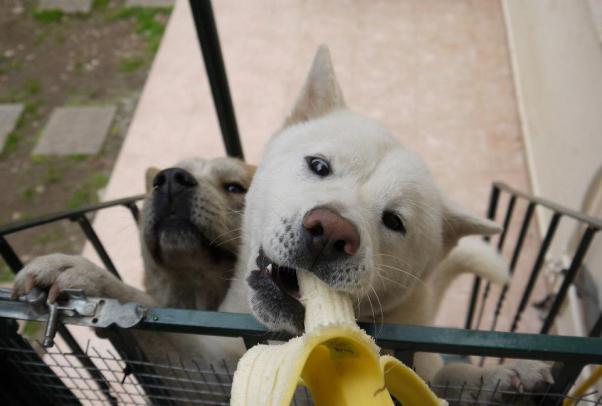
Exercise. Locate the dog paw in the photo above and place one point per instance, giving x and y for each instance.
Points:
(521, 376)
(57, 272)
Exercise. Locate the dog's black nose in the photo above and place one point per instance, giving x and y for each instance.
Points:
(174, 180)
(330, 235)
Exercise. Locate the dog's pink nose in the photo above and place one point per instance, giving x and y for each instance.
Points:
(328, 228)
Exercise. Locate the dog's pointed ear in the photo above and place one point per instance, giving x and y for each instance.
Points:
(320, 94)
(458, 223)
(250, 170)
(149, 177)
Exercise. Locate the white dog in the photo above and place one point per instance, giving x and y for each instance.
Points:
(337, 195)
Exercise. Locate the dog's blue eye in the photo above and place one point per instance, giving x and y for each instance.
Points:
(234, 188)
(393, 222)
(319, 166)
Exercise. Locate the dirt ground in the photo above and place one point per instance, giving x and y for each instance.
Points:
(47, 60)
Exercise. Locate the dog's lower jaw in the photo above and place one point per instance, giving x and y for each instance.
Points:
(273, 307)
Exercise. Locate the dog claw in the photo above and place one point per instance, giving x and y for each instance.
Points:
(54, 292)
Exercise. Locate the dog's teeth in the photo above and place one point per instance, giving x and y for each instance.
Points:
(269, 268)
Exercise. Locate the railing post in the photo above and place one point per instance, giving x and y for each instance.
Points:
(536, 268)
(569, 278)
(494, 197)
(206, 30)
(11, 259)
(88, 230)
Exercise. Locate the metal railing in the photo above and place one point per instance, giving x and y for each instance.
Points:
(586, 229)
(569, 353)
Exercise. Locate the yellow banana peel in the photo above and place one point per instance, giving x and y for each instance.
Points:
(337, 361)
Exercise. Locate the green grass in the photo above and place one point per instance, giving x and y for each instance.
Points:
(39, 159)
(31, 87)
(147, 23)
(32, 328)
(6, 275)
(44, 238)
(100, 4)
(87, 192)
(78, 157)
(27, 194)
(48, 16)
(128, 65)
(30, 113)
(53, 174)
(11, 143)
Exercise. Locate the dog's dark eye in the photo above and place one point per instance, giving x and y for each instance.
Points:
(234, 188)
(393, 222)
(319, 166)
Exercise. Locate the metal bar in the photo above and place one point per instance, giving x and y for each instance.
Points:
(543, 250)
(494, 197)
(206, 30)
(9, 255)
(515, 255)
(565, 374)
(592, 221)
(586, 240)
(62, 215)
(88, 230)
(93, 370)
(507, 219)
(24, 389)
(134, 210)
(596, 331)
(15, 264)
(474, 295)
(500, 246)
(137, 363)
(390, 336)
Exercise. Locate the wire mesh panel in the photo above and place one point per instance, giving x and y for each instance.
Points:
(60, 377)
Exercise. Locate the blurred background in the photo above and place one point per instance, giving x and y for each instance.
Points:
(92, 92)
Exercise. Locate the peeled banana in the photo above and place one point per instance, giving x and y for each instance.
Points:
(337, 361)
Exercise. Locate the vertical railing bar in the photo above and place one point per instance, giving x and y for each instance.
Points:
(9, 255)
(507, 219)
(515, 255)
(521, 237)
(586, 240)
(204, 21)
(565, 375)
(500, 246)
(596, 331)
(91, 235)
(133, 207)
(123, 340)
(543, 250)
(474, 295)
(494, 197)
(98, 376)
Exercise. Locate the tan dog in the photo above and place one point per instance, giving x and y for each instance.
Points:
(189, 232)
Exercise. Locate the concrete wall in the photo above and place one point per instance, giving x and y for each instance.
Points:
(557, 61)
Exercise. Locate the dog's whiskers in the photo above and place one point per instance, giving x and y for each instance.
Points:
(224, 234)
(382, 316)
(391, 280)
(394, 268)
(238, 237)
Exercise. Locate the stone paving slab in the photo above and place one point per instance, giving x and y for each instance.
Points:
(66, 6)
(9, 116)
(75, 130)
(149, 3)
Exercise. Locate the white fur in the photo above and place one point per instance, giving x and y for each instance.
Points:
(404, 275)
